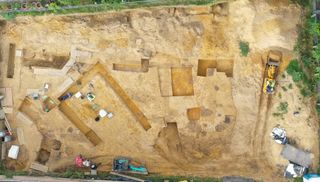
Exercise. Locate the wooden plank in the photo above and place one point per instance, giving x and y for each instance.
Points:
(8, 99)
(12, 55)
(39, 167)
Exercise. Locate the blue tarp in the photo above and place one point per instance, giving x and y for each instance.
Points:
(311, 178)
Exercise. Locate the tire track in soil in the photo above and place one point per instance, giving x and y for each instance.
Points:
(260, 126)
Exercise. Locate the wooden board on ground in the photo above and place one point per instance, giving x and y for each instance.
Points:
(39, 167)
(8, 99)
(12, 55)
(182, 82)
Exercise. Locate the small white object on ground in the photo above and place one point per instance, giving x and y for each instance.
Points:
(46, 86)
(18, 53)
(103, 113)
(78, 95)
(110, 115)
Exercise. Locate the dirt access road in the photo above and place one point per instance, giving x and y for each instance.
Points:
(199, 95)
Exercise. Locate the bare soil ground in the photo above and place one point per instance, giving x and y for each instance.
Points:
(227, 133)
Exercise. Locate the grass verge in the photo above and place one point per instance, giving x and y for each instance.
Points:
(105, 7)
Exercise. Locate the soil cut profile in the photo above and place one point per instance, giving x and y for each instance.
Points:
(165, 86)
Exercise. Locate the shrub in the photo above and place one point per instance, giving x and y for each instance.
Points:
(295, 71)
(73, 173)
(244, 47)
(9, 16)
(303, 3)
(306, 85)
(283, 107)
(282, 110)
(299, 179)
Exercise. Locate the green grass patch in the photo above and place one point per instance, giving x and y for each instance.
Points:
(282, 110)
(305, 84)
(283, 107)
(299, 179)
(72, 173)
(304, 3)
(57, 8)
(295, 71)
(244, 47)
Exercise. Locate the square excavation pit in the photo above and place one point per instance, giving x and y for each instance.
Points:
(205, 67)
(109, 96)
(182, 82)
(194, 113)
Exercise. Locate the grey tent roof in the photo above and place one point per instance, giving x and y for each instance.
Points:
(236, 179)
(297, 156)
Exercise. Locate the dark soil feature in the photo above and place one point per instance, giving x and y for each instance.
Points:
(43, 156)
(56, 62)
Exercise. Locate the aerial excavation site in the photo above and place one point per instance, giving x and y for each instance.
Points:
(200, 91)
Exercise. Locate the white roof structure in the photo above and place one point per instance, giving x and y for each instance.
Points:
(297, 156)
(13, 152)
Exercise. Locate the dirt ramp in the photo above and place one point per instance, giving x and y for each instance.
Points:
(183, 149)
(168, 144)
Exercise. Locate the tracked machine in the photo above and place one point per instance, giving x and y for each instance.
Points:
(271, 71)
(125, 165)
